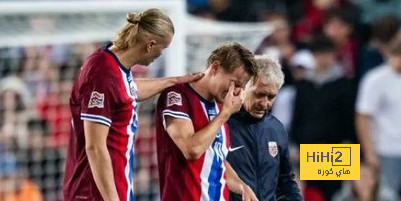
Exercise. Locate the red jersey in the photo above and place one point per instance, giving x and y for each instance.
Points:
(103, 92)
(190, 180)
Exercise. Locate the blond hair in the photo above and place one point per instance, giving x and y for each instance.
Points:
(232, 55)
(151, 21)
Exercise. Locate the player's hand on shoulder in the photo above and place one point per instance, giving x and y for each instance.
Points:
(234, 99)
(192, 77)
(248, 194)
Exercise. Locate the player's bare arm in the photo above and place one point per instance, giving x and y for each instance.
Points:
(193, 144)
(99, 159)
(148, 87)
(236, 185)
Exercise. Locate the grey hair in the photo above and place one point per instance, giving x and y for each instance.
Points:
(270, 68)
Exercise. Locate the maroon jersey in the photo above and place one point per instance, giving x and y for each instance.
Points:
(190, 180)
(103, 92)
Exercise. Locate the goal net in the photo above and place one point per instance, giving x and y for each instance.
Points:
(42, 46)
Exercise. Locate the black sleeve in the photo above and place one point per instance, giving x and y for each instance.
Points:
(287, 188)
(346, 118)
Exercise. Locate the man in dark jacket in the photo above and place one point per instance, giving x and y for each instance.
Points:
(259, 143)
(323, 111)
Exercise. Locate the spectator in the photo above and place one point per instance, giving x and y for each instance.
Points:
(378, 120)
(10, 60)
(55, 109)
(313, 18)
(338, 27)
(278, 43)
(384, 31)
(301, 65)
(323, 110)
(43, 163)
(13, 104)
(14, 186)
(36, 71)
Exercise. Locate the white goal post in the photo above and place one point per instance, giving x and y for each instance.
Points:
(36, 23)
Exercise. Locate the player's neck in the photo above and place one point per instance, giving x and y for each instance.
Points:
(125, 57)
(201, 87)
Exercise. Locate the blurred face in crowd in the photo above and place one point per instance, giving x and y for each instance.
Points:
(395, 62)
(9, 99)
(324, 60)
(220, 81)
(36, 139)
(281, 33)
(8, 183)
(260, 97)
(337, 30)
(299, 72)
(323, 4)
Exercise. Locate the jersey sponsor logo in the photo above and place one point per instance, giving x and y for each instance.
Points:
(96, 100)
(273, 151)
(231, 149)
(173, 98)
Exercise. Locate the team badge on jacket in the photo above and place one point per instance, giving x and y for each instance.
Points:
(173, 98)
(96, 100)
(273, 150)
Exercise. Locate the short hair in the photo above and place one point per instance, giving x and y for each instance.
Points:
(346, 16)
(385, 28)
(232, 55)
(322, 44)
(38, 124)
(151, 21)
(395, 48)
(269, 68)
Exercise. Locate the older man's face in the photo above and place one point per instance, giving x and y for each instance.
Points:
(260, 97)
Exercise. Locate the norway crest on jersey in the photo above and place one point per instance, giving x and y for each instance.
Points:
(96, 100)
(273, 150)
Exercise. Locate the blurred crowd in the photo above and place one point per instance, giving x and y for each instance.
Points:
(342, 62)
(35, 119)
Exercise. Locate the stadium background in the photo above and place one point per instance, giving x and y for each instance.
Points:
(43, 44)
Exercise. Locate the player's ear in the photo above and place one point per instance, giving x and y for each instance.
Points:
(150, 45)
(215, 65)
